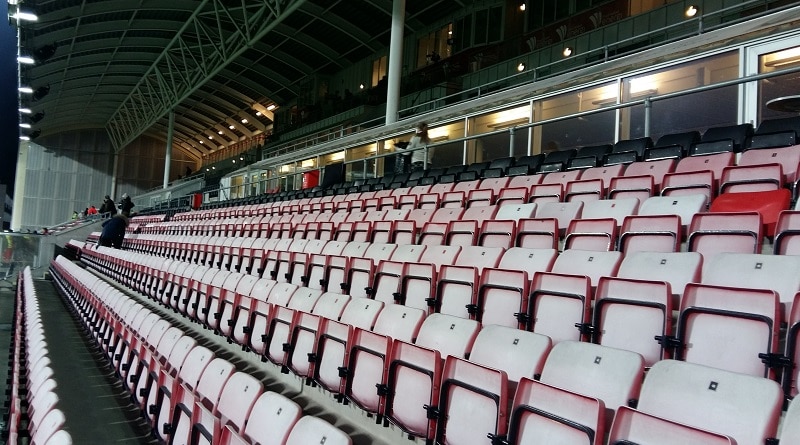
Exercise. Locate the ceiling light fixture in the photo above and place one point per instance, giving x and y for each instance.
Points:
(258, 113)
(28, 16)
(24, 125)
(691, 11)
(244, 121)
(567, 51)
(24, 138)
(27, 90)
(271, 107)
(522, 7)
(25, 110)
(210, 137)
(521, 67)
(25, 60)
(231, 127)
(219, 132)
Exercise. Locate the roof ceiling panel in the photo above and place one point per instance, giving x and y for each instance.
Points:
(104, 47)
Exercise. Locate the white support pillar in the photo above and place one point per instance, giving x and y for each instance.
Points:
(168, 154)
(115, 167)
(395, 60)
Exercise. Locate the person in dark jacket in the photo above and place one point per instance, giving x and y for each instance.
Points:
(126, 205)
(114, 231)
(108, 208)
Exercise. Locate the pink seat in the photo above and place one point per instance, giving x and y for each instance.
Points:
(537, 233)
(369, 352)
(312, 430)
(631, 426)
(745, 408)
(629, 314)
(415, 371)
(591, 234)
(653, 233)
(472, 402)
(712, 233)
(728, 328)
(518, 353)
(640, 187)
(581, 387)
(787, 230)
(271, 419)
(334, 338)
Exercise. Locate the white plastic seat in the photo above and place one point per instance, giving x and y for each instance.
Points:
(743, 407)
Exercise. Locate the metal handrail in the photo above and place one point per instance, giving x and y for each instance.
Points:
(643, 101)
(605, 50)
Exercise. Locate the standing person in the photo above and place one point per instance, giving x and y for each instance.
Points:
(114, 231)
(418, 141)
(126, 205)
(108, 208)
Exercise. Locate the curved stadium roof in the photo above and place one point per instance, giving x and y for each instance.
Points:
(123, 64)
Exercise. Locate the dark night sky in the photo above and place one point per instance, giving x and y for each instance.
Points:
(9, 124)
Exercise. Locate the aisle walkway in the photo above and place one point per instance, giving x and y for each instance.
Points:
(97, 410)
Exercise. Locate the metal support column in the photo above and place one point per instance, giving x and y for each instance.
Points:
(168, 154)
(114, 170)
(395, 61)
(648, 105)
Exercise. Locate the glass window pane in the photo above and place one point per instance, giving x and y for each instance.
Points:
(697, 111)
(495, 27)
(780, 86)
(581, 131)
(481, 24)
(497, 146)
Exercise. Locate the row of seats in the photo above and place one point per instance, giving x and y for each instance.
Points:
(187, 394)
(448, 379)
(328, 265)
(629, 168)
(33, 411)
(708, 175)
(657, 225)
(729, 312)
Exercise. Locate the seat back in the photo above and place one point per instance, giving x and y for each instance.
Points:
(611, 375)
(743, 407)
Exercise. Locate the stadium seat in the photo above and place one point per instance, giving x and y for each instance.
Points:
(640, 187)
(768, 204)
(629, 314)
(683, 206)
(787, 230)
(653, 233)
(313, 430)
(728, 328)
(754, 271)
(712, 233)
(631, 426)
(591, 234)
(472, 402)
(518, 353)
(369, 353)
(415, 370)
(270, 422)
(581, 387)
(745, 408)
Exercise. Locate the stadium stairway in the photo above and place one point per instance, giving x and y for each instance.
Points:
(96, 408)
(351, 420)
